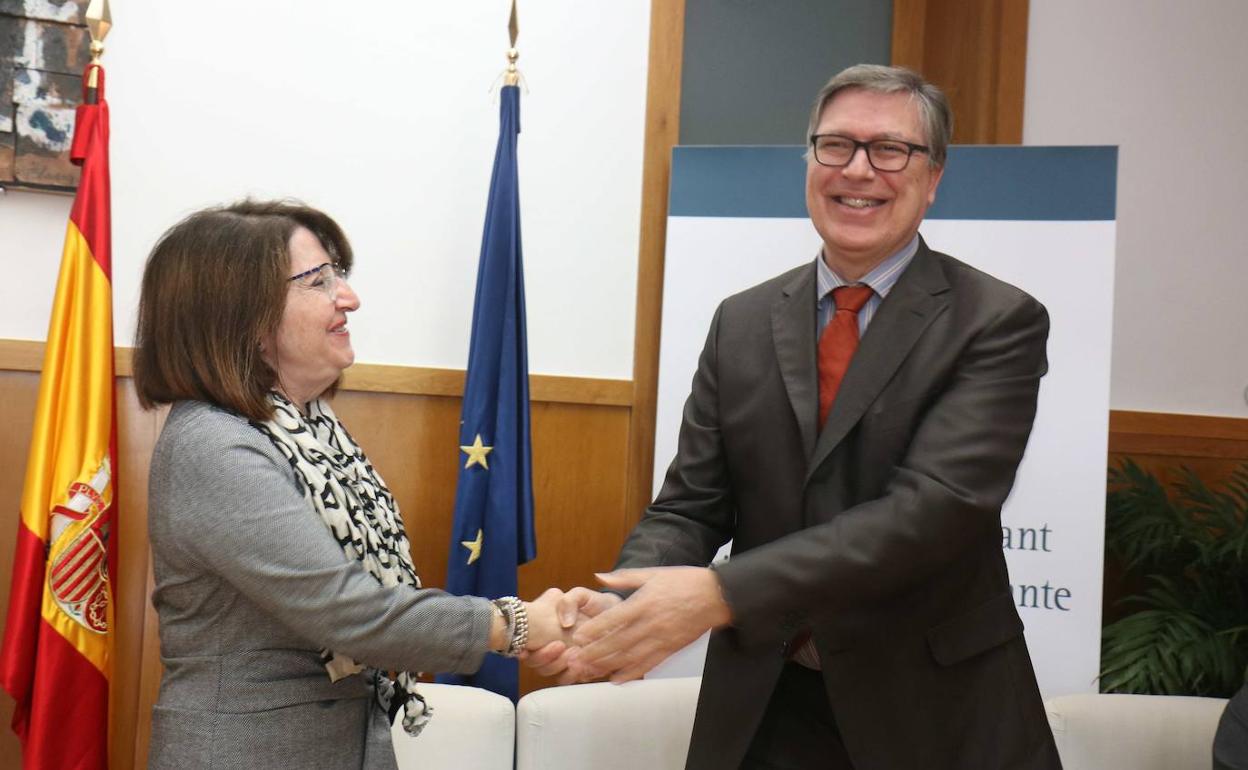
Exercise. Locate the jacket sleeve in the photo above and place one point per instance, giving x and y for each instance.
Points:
(238, 513)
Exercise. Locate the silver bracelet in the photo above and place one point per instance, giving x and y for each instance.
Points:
(516, 619)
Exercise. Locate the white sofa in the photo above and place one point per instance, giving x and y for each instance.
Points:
(644, 724)
(647, 724)
(471, 729)
(1134, 732)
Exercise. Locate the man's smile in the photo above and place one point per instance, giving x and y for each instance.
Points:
(858, 203)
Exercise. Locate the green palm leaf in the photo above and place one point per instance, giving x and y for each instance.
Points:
(1188, 633)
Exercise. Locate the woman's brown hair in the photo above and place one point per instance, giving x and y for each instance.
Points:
(214, 289)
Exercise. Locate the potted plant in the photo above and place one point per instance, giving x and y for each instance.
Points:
(1188, 633)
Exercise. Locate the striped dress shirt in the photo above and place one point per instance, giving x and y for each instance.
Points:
(881, 279)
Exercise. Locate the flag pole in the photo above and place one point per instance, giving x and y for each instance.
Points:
(492, 528)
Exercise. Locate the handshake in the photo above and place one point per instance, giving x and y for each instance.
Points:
(585, 634)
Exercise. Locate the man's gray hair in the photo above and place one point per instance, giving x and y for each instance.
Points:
(934, 110)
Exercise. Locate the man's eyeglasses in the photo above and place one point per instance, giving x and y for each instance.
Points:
(324, 278)
(882, 154)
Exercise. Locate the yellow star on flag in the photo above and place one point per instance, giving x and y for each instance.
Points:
(476, 453)
(474, 546)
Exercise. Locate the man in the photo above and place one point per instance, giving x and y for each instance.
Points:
(1230, 742)
(864, 619)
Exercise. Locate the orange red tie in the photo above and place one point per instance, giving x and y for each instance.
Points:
(838, 343)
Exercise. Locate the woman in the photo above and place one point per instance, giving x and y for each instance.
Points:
(284, 584)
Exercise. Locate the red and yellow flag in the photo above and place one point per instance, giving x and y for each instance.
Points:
(57, 643)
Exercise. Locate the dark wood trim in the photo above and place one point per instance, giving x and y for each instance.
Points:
(976, 50)
(424, 381)
(1178, 435)
(1011, 78)
(909, 26)
(27, 356)
(1126, 422)
(667, 33)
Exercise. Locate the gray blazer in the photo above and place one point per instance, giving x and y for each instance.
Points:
(250, 585)
(881, 532)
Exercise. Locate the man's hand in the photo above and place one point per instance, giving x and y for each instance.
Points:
(558, 658)
(671, 607)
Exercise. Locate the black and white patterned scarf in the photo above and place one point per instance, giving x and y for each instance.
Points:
(342, 486)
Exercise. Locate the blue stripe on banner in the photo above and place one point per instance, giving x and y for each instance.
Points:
(981, 182)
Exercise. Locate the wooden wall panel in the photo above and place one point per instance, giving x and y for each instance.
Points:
(667, 29)
(580, 477)
(18, 391)
(1212, 447)
(136, 433)
(976, 50)
(413, 442)
(1178, 436)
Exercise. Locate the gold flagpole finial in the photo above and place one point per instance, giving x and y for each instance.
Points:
(512, 77)
(99, 22)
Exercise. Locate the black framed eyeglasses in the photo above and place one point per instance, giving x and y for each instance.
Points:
(883, 154)
(323, 278)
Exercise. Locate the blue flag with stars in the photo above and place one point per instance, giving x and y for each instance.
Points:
(492, 532)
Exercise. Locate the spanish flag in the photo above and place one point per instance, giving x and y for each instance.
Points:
(56, 656)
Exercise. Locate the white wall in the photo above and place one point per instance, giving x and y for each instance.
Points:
(382, 115)
(383, 119)
(1165, 81)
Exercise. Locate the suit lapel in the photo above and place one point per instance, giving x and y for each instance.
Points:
(916, 299)
(793, 331)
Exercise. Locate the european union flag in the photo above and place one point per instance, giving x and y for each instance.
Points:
(493, 529)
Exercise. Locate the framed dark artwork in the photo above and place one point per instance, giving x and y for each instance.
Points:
(44, 47)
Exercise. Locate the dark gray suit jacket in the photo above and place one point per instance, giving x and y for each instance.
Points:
(1230, 742)
(882, 532)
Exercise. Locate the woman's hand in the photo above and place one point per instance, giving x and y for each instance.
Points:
(559, 658)
(545, 624)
